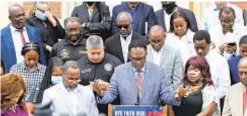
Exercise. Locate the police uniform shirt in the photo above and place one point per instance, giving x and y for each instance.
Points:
(103, 70)
(66, 51)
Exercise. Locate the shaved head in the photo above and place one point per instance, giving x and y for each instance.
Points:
(157, 37)
(242, 68)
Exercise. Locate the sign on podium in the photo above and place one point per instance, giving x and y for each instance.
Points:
(136, 110)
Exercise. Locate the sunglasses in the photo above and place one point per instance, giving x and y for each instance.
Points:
(122, 26)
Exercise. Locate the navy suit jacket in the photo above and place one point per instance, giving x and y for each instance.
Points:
(8, 54)
(233, 66)
(145, 13)
(160, 20)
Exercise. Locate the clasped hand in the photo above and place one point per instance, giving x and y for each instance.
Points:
(99, 86)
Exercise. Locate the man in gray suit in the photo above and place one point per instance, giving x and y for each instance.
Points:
(165, 56)
(69, 98)
(138, 82)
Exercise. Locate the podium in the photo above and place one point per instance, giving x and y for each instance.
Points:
(137, 110)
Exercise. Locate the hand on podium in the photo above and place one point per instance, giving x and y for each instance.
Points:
(99, 86)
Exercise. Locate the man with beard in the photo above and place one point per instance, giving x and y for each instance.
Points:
(168, 8)
(74, 45)
(236, 97)
(15, 36)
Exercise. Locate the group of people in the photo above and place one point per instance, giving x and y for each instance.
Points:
(96, 60)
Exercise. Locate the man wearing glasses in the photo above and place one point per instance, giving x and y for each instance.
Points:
(70, 98)
(228, 33)
(117, 44)
(165, 56)
(138, 82)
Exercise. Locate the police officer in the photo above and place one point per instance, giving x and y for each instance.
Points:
(97, 64)
(74, 45)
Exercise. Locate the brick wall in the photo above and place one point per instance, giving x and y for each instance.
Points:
(54, 6)
(242, 5)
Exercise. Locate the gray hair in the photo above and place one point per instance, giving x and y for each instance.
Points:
(124, 14)
(156, 28)
(94, 41)
(71, 19)
(37, 3)
(70, 64)
(14, 6)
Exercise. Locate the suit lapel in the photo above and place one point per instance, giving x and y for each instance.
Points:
(119, 47)
(84, 11)
(163, 20)
(163, 54)
(240, 101)
(150, 53)
(95, 10)
(9, 38)
(64, 94)
(30, 34)
(132, 81)
(146, 81)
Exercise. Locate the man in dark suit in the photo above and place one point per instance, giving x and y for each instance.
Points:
(140, 12)
(15, 36)
(168, 8)
(95, 17)
(233, 63)
(117, 44)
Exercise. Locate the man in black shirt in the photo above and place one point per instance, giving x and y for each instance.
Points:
(97, 64)
(74, 45)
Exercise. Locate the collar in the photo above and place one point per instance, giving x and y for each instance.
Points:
(175, 10)
(126, 4)
(142, 70)
(37, 68)
(129, 37)
(13, 29)
(81, 41)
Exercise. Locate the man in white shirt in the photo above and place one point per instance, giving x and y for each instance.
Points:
(227, 31)
(218, 65)
(164, 55)
(69, 97)
(211, 14)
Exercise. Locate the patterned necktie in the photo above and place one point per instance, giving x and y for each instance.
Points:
(245, 101)
(139, 83)
(22, 36)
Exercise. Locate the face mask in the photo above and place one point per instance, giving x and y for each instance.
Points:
(56, 79)
(90, 3)
(227, 55)
(169, 7)
(40, 15)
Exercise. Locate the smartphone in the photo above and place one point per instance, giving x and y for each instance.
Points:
(232, 44)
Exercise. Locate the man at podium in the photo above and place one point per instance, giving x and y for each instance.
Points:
(137, 82)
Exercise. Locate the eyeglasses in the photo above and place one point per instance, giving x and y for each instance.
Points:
(138, 59)
(122, 26)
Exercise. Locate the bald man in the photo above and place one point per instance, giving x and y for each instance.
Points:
(165, 56)
(236, 97)
(15, 36)
(117, 44)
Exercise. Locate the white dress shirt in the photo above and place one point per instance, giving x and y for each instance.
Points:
(185, 44)
(218, 38)
(211, 16)
(167, 18)
(73, 96)
(219, 72)
(125, 44)
(17, 40)
(157, 55)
